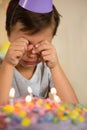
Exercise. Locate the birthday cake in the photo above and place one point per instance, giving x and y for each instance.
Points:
(42, 114)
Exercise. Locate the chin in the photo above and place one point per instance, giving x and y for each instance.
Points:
(27, 66)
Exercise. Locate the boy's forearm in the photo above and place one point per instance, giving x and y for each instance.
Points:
(64, 89)
(6, 75)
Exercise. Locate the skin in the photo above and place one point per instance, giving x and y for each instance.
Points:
(24, 53)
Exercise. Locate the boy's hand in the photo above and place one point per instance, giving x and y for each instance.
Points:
(48, 53)
(16, 51)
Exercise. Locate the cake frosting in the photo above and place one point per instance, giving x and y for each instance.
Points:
(42, 114)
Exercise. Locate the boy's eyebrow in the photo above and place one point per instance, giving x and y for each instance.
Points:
(23, 29)
(40, 41)
(27, 33)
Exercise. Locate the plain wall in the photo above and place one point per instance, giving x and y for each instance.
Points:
(70, 42)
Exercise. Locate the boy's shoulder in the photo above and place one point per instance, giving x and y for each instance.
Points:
(43, 66)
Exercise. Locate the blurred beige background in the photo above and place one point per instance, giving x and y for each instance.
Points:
(70, 42)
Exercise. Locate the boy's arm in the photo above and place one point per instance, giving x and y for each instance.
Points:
(63, 87)
(49, 55)
(12, 58)
(6, 75)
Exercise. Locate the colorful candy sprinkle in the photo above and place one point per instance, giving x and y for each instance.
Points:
(39, 111)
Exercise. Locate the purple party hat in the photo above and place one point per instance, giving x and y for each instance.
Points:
(38, 6)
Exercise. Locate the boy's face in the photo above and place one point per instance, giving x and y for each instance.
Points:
(30, 59)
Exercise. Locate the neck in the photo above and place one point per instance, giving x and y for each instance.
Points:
(26, 72)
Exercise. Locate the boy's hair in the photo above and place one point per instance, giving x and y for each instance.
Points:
(33, 22)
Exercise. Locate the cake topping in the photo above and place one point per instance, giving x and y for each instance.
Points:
(38, 111)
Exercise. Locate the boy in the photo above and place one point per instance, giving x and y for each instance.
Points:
(31, 59)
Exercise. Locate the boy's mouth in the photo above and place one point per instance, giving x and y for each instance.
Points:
(30, 62)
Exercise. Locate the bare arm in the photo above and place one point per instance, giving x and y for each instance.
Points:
(12, 58)
(63, 87)
(6, 75)
(49, 55)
